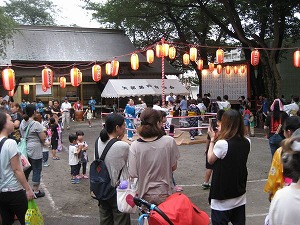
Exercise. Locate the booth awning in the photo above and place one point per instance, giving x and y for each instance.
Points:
(116, 88)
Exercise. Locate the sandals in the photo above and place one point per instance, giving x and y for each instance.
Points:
(56, 158)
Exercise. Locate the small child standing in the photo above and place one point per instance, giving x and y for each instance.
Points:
(46, 146)
(89, 115)
(252, 125)
(83, 157)
(54, 138)
(73, 158)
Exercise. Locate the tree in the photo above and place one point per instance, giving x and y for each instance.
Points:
(31, 12)
(6, 30)
(255, 24)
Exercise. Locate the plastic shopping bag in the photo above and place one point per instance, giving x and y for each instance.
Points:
(25, 163)
(23, 154)
(125, 193)
(33, 215)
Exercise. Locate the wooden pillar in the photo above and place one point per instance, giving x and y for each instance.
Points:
(81, 94)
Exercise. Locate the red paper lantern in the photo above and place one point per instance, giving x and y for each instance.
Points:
(220, 55)
(150, 56)
(47, 77)
(255, 55)
(227, 69)
(200, 64)
(96, 72)
(11, 93)
(186, 59)
(159, 51)
(8, 79)
(114, 67)
(211, 67)
(243, 68)
(297, 58)
(165, 49)
(62, 82)
(108, 68)
(134, 61)
(193, 54)
(44, 88)
(235, 69)
(75, 79)
(26, 89)
(219, 69)
(172, 52)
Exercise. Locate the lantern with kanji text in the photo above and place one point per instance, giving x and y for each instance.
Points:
(26, 89)
(186, 59)
(200, 64)
(220, 55)
(172, 52)
(193, 54)
(74, 75)
(96, 72)
(255, 57)
(62, 82)
(8, 79)
(211, 67)
(134, 60)
(47, 77)
(150, 56)
(297, 58)
(114, 67)
(219, 69)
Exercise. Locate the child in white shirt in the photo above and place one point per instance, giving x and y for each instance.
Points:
(73, 158)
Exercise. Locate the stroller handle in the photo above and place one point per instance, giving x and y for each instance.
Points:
(139, 202)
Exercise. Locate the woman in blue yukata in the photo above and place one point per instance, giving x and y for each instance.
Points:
(129, 113)
(193, 111)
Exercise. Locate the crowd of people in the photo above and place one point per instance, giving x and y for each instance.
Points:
(152, 158)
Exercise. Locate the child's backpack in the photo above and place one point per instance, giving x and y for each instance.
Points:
(100, 182)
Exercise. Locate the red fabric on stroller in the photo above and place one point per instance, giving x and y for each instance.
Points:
(180, 210)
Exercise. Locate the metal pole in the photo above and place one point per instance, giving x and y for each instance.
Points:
(163, 100)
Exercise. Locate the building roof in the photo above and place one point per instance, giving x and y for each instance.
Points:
(67, 45)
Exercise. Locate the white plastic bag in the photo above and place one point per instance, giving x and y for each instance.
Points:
(125, 197)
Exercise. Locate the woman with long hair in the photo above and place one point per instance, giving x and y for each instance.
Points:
(228, 153)
(115, 161)
(14, 189)
(153, 158)
(273, 125)
(35, 141)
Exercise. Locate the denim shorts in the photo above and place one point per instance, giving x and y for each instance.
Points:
(36, 168)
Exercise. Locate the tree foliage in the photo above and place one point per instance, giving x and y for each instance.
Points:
(250, 24)
(31, 12)
(6, 30)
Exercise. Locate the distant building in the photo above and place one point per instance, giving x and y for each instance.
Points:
(234, 55)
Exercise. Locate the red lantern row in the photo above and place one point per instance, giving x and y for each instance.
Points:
(211, 68)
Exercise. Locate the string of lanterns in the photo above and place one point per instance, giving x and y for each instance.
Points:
(163, 49)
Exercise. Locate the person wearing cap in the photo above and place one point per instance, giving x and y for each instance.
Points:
(65, 109)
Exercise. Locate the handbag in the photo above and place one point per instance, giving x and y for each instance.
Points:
(125, 192)
(33, 215)
(22, 149)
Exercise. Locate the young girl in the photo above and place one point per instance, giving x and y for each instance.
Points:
(46, 146)
(54, 138)
(83, 157)
(89, 115)
(246, 115)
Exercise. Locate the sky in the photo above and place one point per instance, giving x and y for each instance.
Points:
(71, 13)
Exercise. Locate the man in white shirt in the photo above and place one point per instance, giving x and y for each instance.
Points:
(65, 110)
(292, 109)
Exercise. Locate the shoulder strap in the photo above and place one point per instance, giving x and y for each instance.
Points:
(2, 142)
(27, 129)
(107, 147)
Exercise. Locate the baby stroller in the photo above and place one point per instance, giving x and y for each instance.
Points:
(176, 210)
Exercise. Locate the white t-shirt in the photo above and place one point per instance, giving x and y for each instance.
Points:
(224, 105)
(66, 106)
(285, 207)
(220, 150)
(8, 180)
(73, 157)
(291, 109)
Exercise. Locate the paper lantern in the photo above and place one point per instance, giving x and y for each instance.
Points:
(297, 58)
(47, 77)
(219, 69)
(172, 52)
(165, 49)
(8, 79)
(200, 64)
(150, 56)
(220, 55)
(75, 79)
(26, 89)
(255, 57)
(108, 68)
(235, 69)
(243, 68)
(96, 73)
(159, 51)
(186, 59)
(211, 67)
(62, 82)
(193, 54)
(114, 67)
(227, 69)
(11, 93)
(44, 88)
(79, 76)
(134, 61)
